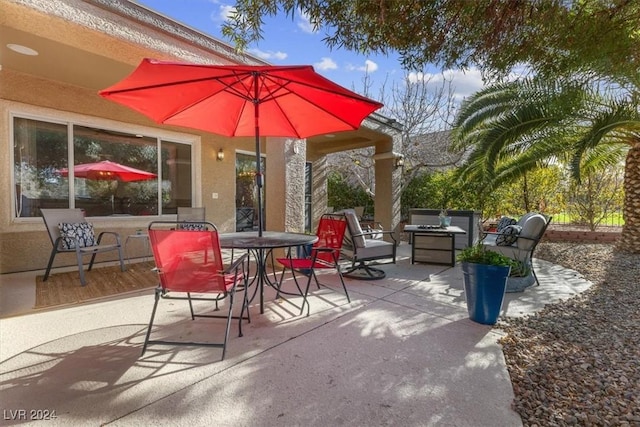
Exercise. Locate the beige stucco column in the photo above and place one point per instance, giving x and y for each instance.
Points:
(284, 187)
(388, 183)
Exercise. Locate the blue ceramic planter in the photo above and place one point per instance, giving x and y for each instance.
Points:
(484, 288)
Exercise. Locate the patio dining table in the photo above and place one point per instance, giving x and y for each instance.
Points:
(262, 247)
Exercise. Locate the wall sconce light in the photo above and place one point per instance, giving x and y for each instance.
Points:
(399, 161)
(220, 155)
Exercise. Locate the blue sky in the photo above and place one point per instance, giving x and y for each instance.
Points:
(290, 41)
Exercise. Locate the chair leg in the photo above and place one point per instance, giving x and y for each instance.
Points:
(122, 267)
(153, 315)
(228, 326)
(284, 270)
(533, 272)
(306, 292)
(83, 281)
(245, 306)
(93, 258)
(193, 316)
(295, 280)
(344, 287)
(337, 266)
(51, 257)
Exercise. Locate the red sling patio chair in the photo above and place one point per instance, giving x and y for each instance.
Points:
(190, 262)
(325, 254)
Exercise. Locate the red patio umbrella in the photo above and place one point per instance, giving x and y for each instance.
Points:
(242, 100)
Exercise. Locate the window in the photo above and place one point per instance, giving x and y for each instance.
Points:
(177, 186)
(115, 173)
(247, 192)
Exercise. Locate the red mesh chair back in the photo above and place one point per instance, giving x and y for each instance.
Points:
(331, 229)
(189, 261)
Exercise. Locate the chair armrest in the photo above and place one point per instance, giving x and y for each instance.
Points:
(485, 234)
(235, 264)
(533, 239)
(376, 233)
(110, 233)
(371, 225)
(494, 233)
(367, 233)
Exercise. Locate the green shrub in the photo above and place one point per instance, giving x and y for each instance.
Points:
(478, 254)
(341, 195)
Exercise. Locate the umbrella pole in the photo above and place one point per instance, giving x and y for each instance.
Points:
(259, 183)
(259, 177)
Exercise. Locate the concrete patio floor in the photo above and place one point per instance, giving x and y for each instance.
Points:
(402, 353)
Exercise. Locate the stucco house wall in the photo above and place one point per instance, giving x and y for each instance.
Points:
(86, 45)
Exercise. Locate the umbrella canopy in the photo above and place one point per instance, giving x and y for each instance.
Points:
(242, 100)
(109, 171)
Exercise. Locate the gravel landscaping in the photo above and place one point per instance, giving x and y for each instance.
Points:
(577, 362)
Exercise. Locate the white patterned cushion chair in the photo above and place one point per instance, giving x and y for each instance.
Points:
(518, 241)
(70, 232)
(364, 246)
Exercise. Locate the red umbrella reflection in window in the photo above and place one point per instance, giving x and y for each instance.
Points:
(109, 171)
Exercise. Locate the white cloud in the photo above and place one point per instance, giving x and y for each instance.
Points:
(325, 64)
(268, 54)
(463, 82)
(304, 24)
(225, 11)
(368, 67)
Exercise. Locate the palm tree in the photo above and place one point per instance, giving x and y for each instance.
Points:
(512, 128)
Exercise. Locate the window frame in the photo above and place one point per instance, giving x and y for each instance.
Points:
(72, 119)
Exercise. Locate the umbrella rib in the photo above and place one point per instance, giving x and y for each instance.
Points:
(353, 96)
(274, 98)
(159, 85)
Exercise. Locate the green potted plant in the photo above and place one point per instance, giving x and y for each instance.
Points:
(485, 274)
